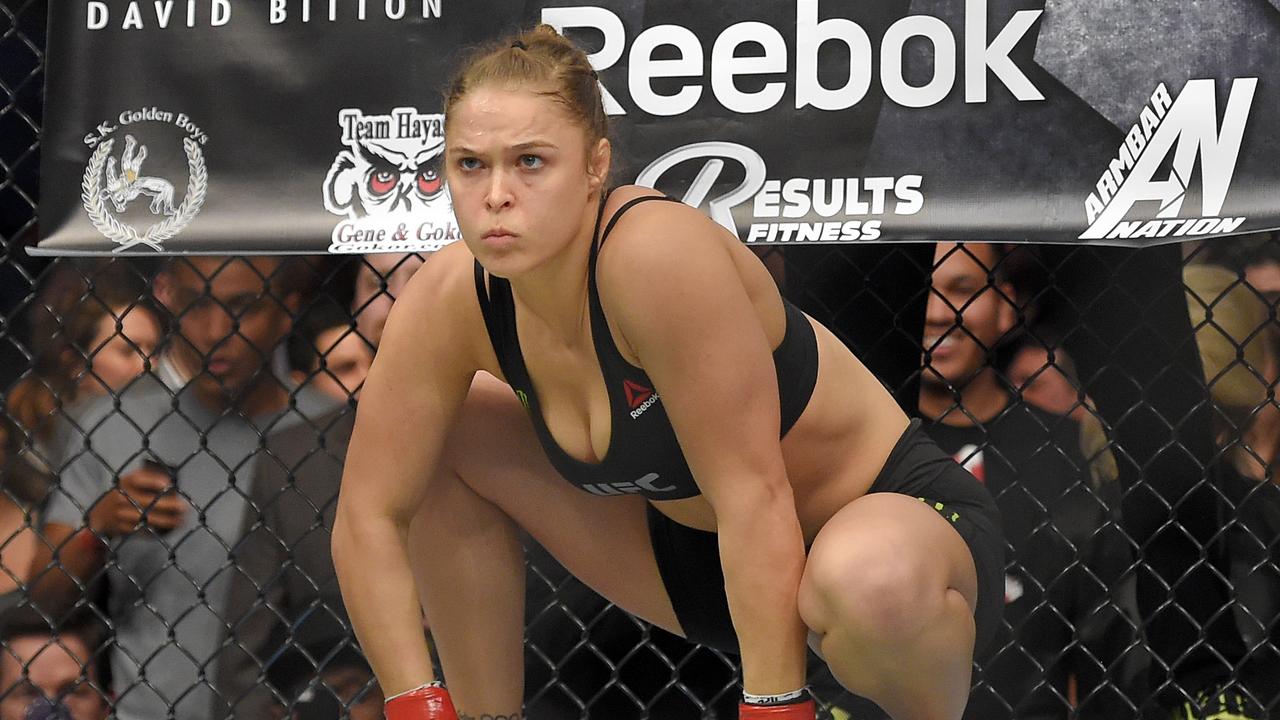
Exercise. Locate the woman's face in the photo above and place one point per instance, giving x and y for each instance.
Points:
(116, 358)
(343, 365)
(521, 176)
(371, 304)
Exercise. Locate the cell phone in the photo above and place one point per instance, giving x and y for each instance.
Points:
(153, 463)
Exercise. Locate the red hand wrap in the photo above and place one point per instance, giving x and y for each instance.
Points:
(807, 710)
(425, 703)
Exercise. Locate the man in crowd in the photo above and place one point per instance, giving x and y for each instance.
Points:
(155, 487)
(1069, 606)
(287, 589)
(47, 675)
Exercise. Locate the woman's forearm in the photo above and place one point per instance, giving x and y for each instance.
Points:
(372, 563)
(762, 552)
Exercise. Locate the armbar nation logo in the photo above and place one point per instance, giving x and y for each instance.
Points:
(1154, 168)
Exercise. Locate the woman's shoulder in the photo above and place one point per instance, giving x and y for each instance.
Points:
(643, 223)
(661, 244)
(623, 195)
(447, 274)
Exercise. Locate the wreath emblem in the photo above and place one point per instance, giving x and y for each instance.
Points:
(126, 236)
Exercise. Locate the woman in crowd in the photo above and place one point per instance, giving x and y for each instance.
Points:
(90, 333)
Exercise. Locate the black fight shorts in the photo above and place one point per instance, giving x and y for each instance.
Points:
(689, 559)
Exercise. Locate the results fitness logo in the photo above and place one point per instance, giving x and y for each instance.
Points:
(795, 210)
(387, 183)
(1142, 172)
(126, 183)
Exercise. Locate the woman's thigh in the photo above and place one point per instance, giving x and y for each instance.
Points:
(603, 541)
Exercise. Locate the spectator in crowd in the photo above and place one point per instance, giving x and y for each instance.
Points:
(1236, 342)
(1262, 273)
(379, 281)
(154, 486)
(327, 353)
(1044, 375)
(1069, 607)
(23, 487)
(1255, 257)
(1253, 293)
(1046, 378)
(285, 589)
(1234, 336)
(47, 674)
(90, 333)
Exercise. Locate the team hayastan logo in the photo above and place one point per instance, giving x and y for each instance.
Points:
(125, 182)
(388, 184)
(1153, 167)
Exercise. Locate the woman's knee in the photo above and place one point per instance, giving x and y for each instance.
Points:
(873, 572)
(873, 594)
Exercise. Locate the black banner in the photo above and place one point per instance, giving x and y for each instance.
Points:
(238, 126)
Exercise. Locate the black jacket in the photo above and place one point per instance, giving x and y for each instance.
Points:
(1070, 607)
(284, 594)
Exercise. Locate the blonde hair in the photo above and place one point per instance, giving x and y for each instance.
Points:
(1231, 327)
(543, 61)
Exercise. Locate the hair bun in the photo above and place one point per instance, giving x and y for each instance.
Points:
(549, 64)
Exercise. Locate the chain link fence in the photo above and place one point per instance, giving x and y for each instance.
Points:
(164, 543)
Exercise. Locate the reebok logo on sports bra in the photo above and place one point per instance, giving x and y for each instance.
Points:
(639, 397)
(648, 483)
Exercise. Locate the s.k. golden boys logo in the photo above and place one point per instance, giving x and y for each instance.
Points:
(132, 205)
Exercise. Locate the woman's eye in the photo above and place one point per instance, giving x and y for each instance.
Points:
(530, 161)
(469, 163)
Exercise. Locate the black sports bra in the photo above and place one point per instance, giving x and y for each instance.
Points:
(644, 455)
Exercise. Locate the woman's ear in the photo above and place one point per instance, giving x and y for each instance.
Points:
(1008, 307)
(162, 289)
(598, 161)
